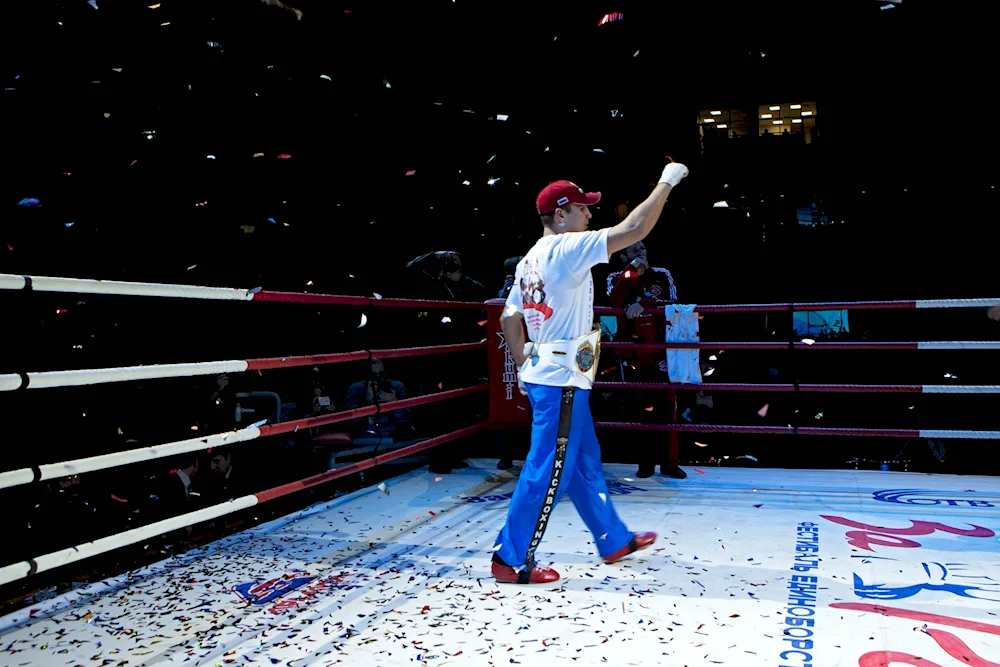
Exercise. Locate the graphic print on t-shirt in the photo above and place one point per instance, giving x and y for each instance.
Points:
(533, 294)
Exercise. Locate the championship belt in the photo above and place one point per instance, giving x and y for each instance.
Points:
(579, 355)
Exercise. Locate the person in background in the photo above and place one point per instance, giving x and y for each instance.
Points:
(441, 278)
(638, 287)
(510, 268)
(506, 437)
(377, 388)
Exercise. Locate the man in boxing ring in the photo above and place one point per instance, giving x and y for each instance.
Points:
(554, 297)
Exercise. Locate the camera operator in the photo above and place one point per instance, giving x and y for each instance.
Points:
(377, 388)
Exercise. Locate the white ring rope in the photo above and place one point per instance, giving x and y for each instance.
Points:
(49, 379)
(88, 286)
(960, 389)
(960, 345)
(957, 303)
(72, 554)
(105, 461)
(970, 435)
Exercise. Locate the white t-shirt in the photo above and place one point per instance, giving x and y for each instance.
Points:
(554, 291)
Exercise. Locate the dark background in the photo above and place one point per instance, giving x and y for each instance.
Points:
(904, 161)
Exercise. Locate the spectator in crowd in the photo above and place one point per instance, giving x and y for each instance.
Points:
(509, 267)
(376, 389)
(638, 287)
(63, 514)
(179, 494)
(440, 277)
(225, 483)
(507, 437)
(322, 404)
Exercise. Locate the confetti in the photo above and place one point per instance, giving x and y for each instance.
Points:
(700, 472)
(763, 411)
(701, 444)
(364, 320)
(445, 320)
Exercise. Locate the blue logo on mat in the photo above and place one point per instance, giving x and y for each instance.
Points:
(925, 497)
(269, 591)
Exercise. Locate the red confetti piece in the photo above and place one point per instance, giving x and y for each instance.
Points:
(10, 247)
(117, 499)
(440, 385)
(649, 409)
(132, 163)
(437, 479)
(411, 172)
(284, 156)
(431, 513)
(60, 311)
(700, 472)
(483, 323)
(202, 203)
(425, 609)
(763, 411)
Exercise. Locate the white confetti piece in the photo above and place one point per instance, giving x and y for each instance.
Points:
(364, 320)
(377, 296)
(604, 497)
(446, 320)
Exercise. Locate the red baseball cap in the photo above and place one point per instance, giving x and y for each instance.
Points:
(561, 193)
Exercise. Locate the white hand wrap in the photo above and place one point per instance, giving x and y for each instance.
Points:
(673, 173)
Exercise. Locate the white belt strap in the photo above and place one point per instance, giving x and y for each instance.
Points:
(579, 355)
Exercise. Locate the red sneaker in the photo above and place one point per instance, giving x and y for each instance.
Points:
(638, 542)
(539, 574)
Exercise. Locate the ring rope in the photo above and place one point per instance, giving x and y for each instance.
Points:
(122, 288)
(833, 305)
(726, 345)
(49, 379)
(90, 286)
(69, 555)
(816, 388)
(803, 430)
(103, 462)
